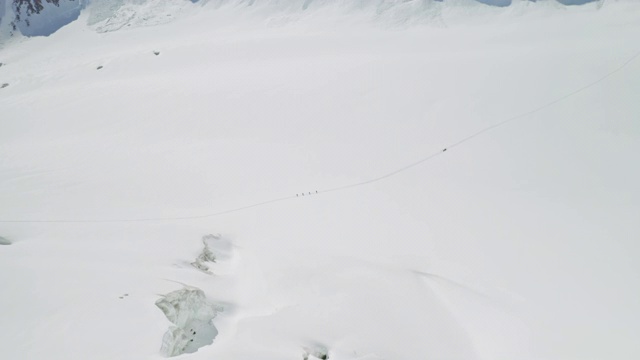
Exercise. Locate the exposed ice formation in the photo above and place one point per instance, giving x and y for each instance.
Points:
(316, 352)
(206, 256)
(191, 314)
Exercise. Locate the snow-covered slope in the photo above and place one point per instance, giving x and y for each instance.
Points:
(518, 243)
(44, 17)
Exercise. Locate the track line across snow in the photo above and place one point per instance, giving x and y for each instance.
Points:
(356, 184)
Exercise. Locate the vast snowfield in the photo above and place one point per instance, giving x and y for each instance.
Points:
(132, 133)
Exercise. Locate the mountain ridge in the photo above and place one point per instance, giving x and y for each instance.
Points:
(45, 17)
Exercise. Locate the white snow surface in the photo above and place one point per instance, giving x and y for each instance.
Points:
(520, 243)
